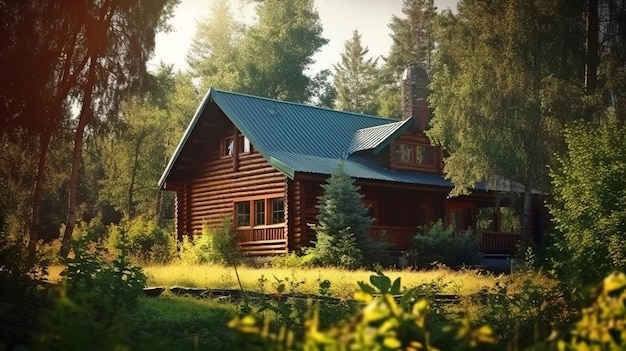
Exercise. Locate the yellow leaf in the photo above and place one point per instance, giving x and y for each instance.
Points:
(392, 343)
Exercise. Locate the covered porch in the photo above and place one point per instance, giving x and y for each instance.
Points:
(272, 239)
(263, 241)
(400, 239)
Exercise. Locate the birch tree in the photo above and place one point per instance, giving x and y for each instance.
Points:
(506, 80)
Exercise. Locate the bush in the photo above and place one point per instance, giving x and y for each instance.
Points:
(589, 207)
(293, 260)
(21, 296)
(336, 250)
(148, 242)
(93, 299)
(383, 323)
(438, 244)
(214, 245)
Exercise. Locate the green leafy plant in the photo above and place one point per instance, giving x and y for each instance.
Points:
(94, 296)
(389, 320)
(148, 242)
(21, 296)
(589, 207)
(602, 326)
(213, 245)
(440, 245)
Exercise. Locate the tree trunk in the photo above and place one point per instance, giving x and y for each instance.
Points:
(593, 25)
(86, 114)
(35, 224)
(133, 176)
(526, 230)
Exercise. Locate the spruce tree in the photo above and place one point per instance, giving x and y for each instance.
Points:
(343, 223)
(356, 78)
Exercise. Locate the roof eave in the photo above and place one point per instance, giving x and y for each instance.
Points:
(383, 144)
(282, 167)
(183, 140)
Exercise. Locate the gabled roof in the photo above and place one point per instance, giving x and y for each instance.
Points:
(377, 138)
(298, 138)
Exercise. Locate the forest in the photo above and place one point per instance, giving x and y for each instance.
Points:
(533, 91)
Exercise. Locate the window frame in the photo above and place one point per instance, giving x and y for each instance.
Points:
(268, 211)
(227, 146)
(412, 147)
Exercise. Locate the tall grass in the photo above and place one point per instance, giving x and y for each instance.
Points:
(343, 282)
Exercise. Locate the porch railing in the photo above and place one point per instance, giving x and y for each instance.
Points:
(400, 239)
(263, 241)
(498, 242)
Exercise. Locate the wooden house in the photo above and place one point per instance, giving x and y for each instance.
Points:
(262, 161)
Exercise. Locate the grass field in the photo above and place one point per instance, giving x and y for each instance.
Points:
(307, 280)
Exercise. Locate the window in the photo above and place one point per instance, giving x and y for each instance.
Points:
(242, 214)
(228, 146)
(259, 210)
(278, 211)
(244, 144)
(267, 211)
(499, 219)
(414, 154)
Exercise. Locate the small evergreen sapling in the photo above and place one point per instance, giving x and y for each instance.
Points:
(343, 224)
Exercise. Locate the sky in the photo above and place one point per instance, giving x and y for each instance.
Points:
(339, 19)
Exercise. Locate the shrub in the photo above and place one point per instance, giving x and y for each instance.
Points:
(589, 207)
(336, 250)
(213, 245)
(383, 323)
(21, 298)
(94, 296)
(293, 260)
(438, 244)
(149, 243)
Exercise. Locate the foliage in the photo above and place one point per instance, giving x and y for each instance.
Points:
(355, 79)
(506, 80)
(292, 260)
(277, 50)
(438, 244)
(91, 301)
(214, 52)
(21, 296)
(339, 250)
(214, 245)
(147, 241)
(343, 224)
(522, 315)
(589, 209)
(382, 324)
(133, 158)
(104, 285)
(184, 324)
(255, 60)
(601, 325)
(413, 36)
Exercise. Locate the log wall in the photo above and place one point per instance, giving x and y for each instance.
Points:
(213, 182)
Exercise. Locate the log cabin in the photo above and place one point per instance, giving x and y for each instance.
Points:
(262, 162)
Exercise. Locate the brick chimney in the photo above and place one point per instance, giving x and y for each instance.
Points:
(414, 90)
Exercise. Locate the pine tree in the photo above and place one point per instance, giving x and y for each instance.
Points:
(343, 223)
(356, 78)
(413, 39)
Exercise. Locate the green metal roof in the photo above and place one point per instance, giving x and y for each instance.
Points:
(308, 139)
(376, 138)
